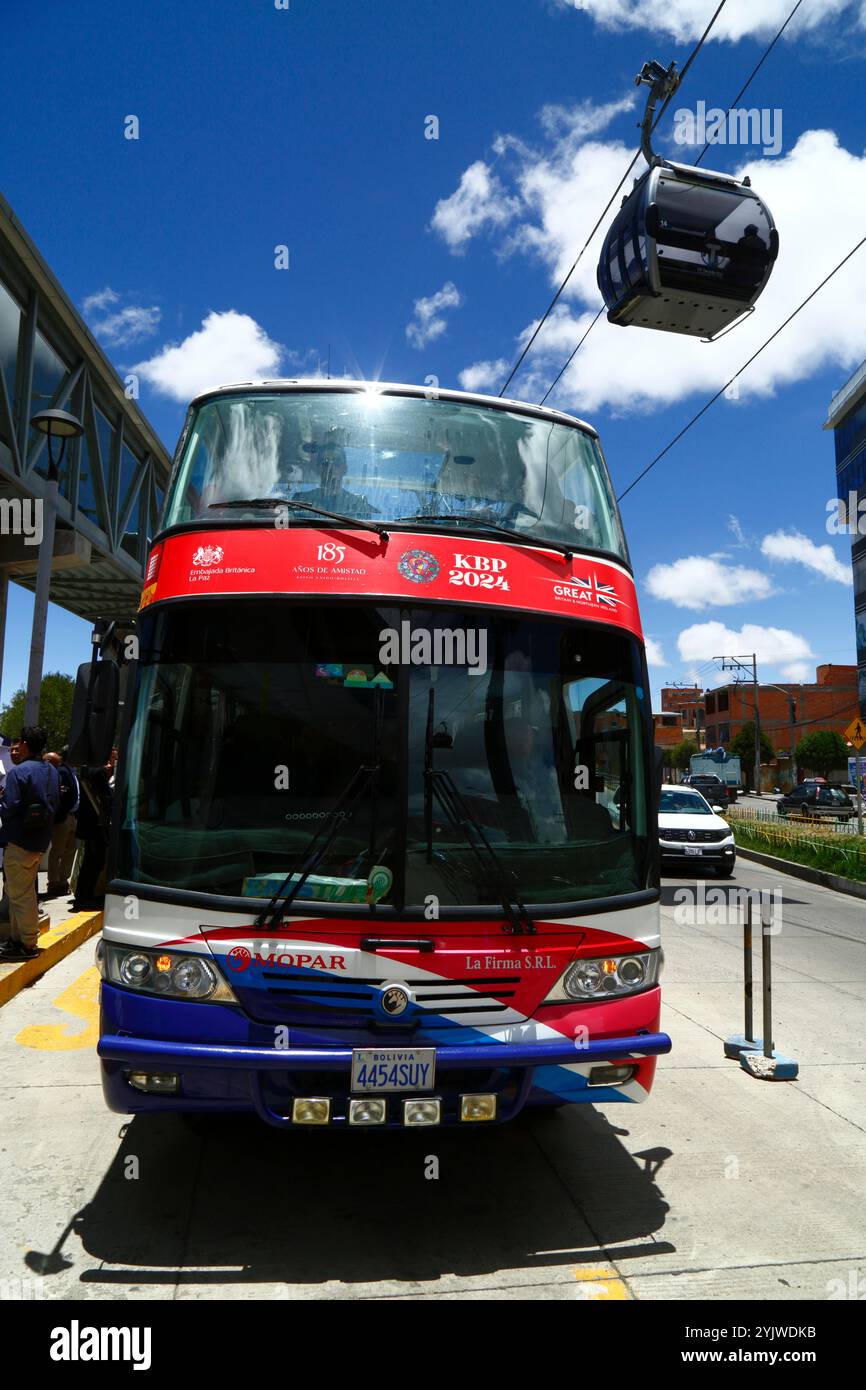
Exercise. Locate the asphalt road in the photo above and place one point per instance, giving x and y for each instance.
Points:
(720, 1186)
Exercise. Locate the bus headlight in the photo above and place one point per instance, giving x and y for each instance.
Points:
(606, 977)
(170, 974)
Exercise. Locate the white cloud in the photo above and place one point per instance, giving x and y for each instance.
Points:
(798, 671)
(654, 654)
(484, 375)
(228, 347)
(479, 201)
(793, 546)
(704, 582)
(736, 528)
(101, 300)
(544, 204)
(773, 646)
(122, 326)
(687, 19)
(429, 321)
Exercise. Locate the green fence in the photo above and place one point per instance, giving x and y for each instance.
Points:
(818, 847)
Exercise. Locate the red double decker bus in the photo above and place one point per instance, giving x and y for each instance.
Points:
(385, 850)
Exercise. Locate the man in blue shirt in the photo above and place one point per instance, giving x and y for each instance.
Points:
(28, 806)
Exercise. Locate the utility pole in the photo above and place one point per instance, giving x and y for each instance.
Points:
(749, 665)
(757, 727)
(792, 710)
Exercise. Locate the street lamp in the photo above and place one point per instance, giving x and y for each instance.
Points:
(55, 424)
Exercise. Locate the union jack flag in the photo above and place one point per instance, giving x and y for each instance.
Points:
(605, 594)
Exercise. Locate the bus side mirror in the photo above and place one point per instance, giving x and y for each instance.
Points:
(94, 714)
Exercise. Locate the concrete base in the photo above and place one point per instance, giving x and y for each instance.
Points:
(775, 1068)
(738, 1043)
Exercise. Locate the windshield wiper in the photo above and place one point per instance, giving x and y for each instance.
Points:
(520, 537)
(350, 521)
(439, 783)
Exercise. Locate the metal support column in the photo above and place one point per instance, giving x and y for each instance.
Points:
(40, 604)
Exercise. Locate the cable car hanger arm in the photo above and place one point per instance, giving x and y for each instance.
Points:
(662, 83)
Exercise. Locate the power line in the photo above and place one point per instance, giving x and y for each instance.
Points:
(767, 51)
(704, 408)
(691, 58)
(556, 379)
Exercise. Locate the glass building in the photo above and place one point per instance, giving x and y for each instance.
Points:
(847, 420)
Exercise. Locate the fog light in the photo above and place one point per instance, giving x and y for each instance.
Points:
(315, 1110)
(154, 1083)
(482, 1107)
(422, 1112)
(610, 1076)
(366, 1112)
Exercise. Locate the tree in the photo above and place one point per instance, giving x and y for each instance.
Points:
(743, 747)
(680, 756)
(55, 710)
(822, 751)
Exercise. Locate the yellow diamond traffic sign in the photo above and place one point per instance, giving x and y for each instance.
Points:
(856, 732)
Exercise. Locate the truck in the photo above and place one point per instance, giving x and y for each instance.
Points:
(727, 768)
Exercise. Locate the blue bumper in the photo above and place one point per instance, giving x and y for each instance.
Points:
(235, 1076)
(144, 1054)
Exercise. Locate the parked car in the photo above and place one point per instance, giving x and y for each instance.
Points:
(692, 831)
(713, 788)
(816, 801)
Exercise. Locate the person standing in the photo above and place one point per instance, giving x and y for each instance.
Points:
(63, 835)
(94, 818)
(30, 802)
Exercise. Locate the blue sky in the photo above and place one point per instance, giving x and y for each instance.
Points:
(306, 127)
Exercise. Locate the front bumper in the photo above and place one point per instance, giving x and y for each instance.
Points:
(721, 852)
(264, 1079)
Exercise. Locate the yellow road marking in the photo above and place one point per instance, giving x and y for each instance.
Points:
(601, 1282)
(81, 1000)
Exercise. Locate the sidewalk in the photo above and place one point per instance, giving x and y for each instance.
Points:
(66, 931)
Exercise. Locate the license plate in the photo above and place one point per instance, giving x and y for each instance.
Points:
(393, 1068)
(693, 849)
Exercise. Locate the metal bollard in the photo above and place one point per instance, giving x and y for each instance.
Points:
(747, 971)
(746, 1041)
(761, 1060)
(766, 974)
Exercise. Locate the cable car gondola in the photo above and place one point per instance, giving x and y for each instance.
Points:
(690, 250)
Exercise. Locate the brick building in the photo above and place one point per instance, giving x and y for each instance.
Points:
(830, 702)
(668, 729)
(688, 699)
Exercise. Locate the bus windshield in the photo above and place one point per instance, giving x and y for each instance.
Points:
(378, 457)
(253, 719)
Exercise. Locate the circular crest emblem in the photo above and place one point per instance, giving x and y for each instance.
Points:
(238, 958)
(419, 566)
(395, 1000)
(691, 834)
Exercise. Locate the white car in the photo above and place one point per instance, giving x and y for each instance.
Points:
(693, 831)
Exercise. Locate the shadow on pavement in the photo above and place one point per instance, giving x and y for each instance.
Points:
(237, 1202)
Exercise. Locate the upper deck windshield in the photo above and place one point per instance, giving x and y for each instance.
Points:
(379, 457)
